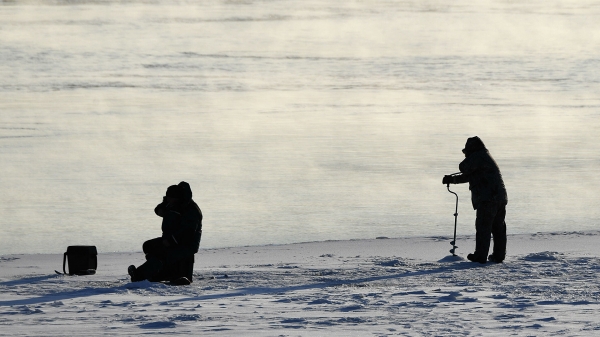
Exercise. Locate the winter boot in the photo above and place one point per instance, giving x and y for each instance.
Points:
(133, 272)
(495, 259)
(475, 258)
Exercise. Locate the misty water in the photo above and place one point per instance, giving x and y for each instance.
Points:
(292, 120)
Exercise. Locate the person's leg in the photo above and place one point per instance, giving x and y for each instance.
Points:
(149, 269)
(174, 261)
(483, 226)
(154, 247)
(160, 261)
(155, 252)
(499, 234)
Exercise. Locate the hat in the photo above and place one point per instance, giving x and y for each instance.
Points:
(473, 144)
(175, 191)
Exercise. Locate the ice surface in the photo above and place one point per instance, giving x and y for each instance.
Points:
(388, 287)
(293, 121)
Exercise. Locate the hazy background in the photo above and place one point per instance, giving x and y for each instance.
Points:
(292, 120)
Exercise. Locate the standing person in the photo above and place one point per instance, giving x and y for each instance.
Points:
(181, 232)
(489, 199)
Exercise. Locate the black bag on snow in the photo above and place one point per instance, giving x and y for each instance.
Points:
(83, 260)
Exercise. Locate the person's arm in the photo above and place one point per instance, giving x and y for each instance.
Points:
(169, 226)
(455, 179)
(161, 209)
(467, 168)
(461, 178)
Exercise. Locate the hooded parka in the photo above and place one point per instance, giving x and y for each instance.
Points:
(482, 173)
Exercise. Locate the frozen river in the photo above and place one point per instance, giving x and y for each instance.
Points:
(292, 120)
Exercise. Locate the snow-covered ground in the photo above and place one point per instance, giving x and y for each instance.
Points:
(549, 286)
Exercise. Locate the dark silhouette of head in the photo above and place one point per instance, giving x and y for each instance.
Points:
(473, 144)
(181, 192)
(174, 191)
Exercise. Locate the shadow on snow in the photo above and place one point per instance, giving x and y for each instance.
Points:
(91, 291)
(322, 285)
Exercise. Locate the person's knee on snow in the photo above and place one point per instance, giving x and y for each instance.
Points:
(181, 231)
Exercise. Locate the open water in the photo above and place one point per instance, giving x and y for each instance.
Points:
(292, 120)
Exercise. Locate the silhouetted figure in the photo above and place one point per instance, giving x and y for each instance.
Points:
(488, 195)
(171, 256)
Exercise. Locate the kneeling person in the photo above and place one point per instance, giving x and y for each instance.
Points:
(170, 257)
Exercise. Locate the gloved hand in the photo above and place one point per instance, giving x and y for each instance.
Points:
(161, 209)
(448, 180)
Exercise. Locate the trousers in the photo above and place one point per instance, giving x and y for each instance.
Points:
(158, 257)
(490, 223)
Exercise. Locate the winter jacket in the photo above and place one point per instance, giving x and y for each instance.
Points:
(182, 223)
(482, 173)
